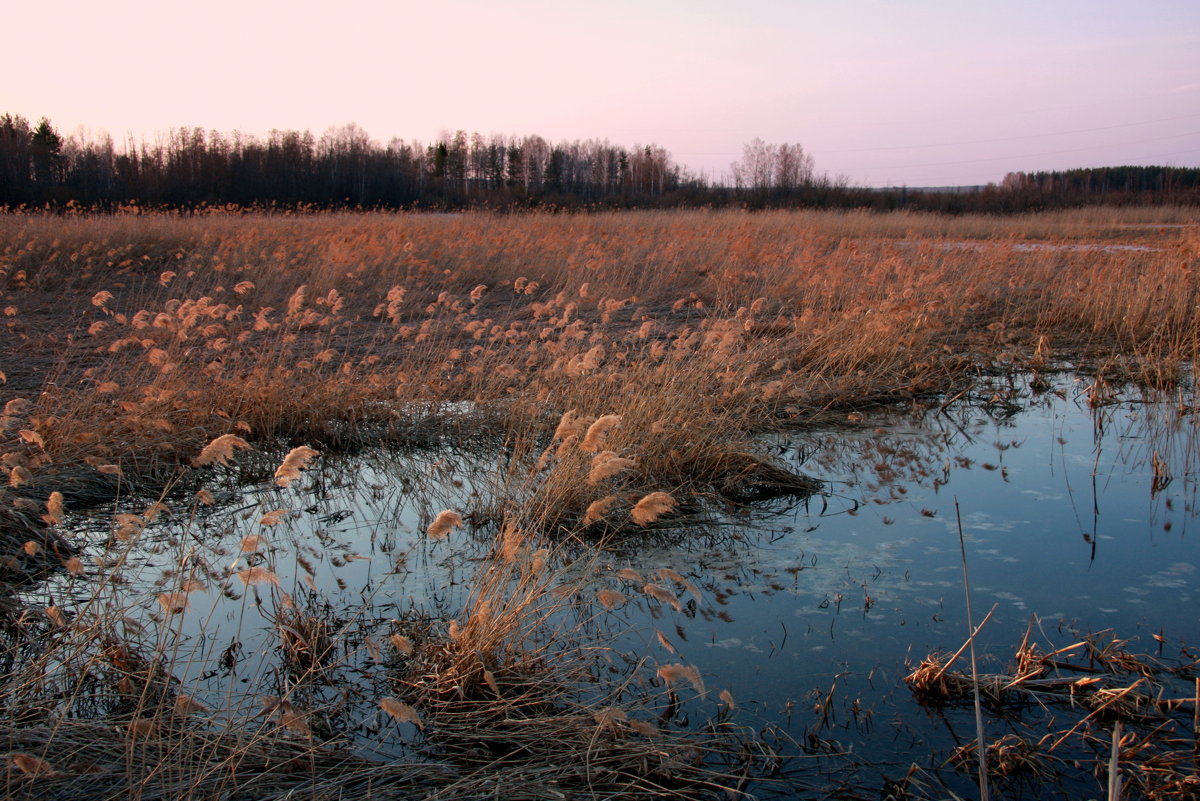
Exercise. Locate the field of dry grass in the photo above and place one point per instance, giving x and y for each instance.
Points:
(132, 341)
(621, 363)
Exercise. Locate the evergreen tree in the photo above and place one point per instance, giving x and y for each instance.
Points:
(46, 152)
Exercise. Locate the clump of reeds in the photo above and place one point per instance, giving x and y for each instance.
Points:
(1113, 711)
(509, 682)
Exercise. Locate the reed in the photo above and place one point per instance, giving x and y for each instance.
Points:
(340, 329)
(1108, 709)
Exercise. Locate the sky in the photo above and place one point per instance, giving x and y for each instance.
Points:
(902, 92)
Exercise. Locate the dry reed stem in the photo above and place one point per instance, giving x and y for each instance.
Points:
(1153, 758)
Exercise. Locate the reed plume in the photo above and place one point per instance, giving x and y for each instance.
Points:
(570, 424)
(445, 522)
(16, 407)
(31, 765)
(610, 599)
(673, 674)
(607, 464)
(258, 575)
(274, 517)
(54, 509)
(296, 460)
(598, 431)
(597, 509)
(220, 450)
(19, 475)
(251, 543)
(610, 717)
(663, 596)
(651, 507)
(401, 712)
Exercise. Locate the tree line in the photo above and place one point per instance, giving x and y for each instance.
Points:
(189, 168)
(1108, 184)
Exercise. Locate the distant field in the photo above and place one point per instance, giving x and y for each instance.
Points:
(154, 333)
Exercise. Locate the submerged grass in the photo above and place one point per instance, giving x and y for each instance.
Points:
(617, 364)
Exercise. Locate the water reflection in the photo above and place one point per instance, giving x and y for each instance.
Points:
(1065, 524)
(1074, 517)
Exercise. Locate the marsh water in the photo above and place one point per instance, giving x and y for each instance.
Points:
(810, 611)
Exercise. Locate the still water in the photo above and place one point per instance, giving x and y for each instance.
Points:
(810, 612)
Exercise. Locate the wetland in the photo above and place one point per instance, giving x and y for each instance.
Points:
(619, 505)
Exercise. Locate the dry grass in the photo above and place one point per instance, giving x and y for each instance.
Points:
(616, 368)
(512, 681)
(133, 341)
(1086, 689)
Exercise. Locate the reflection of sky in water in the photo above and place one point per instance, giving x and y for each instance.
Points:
(851, 584)
(857, 587)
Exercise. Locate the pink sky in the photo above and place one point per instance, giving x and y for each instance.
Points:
(885, 93)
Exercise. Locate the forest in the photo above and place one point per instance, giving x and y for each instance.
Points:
(191, 168)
